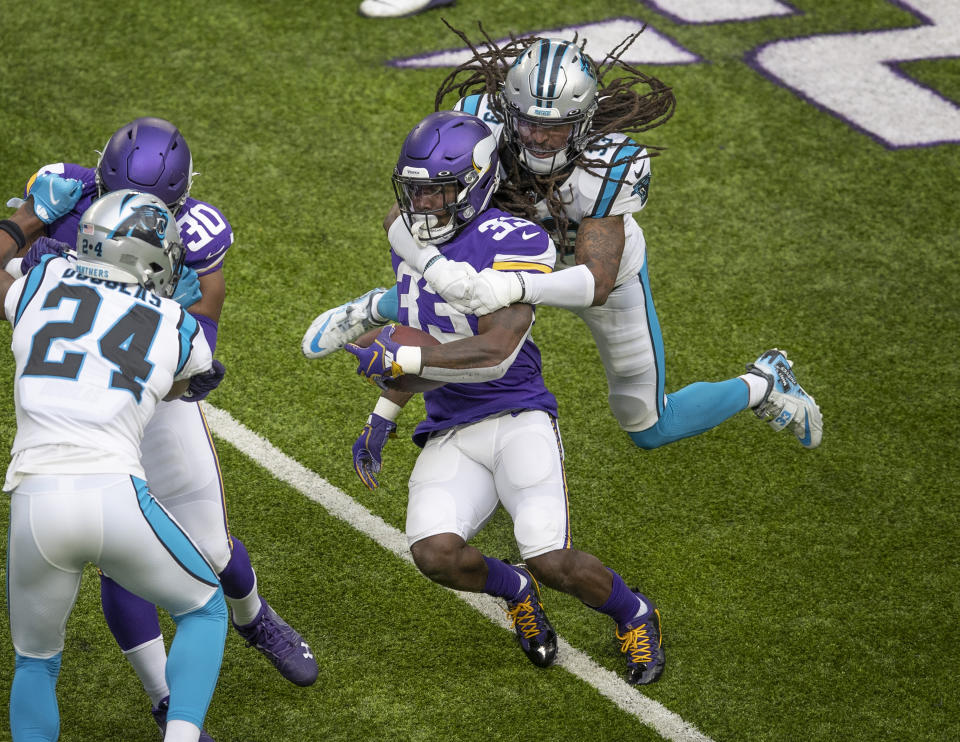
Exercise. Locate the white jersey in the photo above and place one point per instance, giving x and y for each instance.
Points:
(623, 191)
(93, 359)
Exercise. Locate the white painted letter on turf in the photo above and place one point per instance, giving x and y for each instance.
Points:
(855, 76)
(718, 11)
(652, 47)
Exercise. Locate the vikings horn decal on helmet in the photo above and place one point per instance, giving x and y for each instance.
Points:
(447, 171)
(130, 237)
(549, 98)
(147, 155)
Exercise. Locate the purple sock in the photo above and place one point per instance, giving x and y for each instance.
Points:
(237, 578)
(132, 620)
(502, 579)
(623, 604)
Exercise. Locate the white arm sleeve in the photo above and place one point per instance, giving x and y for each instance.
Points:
(409, 358)
(411, 252)
(570, 288)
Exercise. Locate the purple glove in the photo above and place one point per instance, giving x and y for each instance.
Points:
(377, 360)
(202, 384)
(368, 448)
(42, 246)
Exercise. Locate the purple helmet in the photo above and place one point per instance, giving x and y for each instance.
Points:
(446, 174)
(148, 155)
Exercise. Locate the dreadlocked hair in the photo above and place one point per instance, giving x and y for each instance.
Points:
(629, 101)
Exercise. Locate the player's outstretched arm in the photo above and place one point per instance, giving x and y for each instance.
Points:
(600, 245)
(380, 427)
(451, 279)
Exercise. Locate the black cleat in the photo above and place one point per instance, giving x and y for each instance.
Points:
(640, 641)
(537, 638)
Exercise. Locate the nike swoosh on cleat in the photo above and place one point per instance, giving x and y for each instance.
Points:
(528, 236)
(314, 344)
(807, 439)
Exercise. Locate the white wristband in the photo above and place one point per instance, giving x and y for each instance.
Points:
(410, 359)
(387, 409)
(571, 288)
(13, 267)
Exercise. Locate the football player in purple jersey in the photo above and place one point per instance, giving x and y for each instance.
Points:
(491, 435)
(568, 165)
(151, 155)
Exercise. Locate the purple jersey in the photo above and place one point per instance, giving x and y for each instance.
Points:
(493, 240)
(205, 233)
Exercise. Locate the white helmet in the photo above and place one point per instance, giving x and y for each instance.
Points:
(552, 84)
(130, 237)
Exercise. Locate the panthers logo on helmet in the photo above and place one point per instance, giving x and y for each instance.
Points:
(147, 223)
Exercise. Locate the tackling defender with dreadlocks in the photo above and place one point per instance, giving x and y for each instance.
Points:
(569, 165)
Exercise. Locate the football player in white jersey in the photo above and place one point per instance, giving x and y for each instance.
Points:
(98, 344)
(569, 166)
(151, 155)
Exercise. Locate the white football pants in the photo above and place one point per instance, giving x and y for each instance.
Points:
(184, 474)
(463, 474)
(60, 523)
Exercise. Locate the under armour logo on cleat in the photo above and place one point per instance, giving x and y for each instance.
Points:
(307, 655)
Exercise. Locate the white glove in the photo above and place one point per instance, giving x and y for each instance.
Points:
(454, 281)
(494, 290)
(412, 251)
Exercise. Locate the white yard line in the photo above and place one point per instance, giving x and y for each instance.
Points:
(337, 503)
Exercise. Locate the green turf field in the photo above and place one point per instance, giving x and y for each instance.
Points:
(806, 595)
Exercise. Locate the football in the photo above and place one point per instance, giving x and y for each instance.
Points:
(405, 336)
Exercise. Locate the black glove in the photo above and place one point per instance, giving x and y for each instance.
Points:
(202, 384)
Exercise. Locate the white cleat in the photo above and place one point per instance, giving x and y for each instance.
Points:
(398, 8)
(341, 325)
(787, 405)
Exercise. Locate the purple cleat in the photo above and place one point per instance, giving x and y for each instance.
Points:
(160, 716)
(281, 644)
(534, 632)
(640, 641)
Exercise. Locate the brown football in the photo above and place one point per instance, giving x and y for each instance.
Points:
(405, 336)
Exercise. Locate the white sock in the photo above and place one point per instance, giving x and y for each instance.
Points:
(374, 303)
(179, 730)
(149, 661)
(245, 609)
(758, 388)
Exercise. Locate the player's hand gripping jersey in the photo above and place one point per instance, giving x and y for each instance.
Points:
(588, 195)
(205, 233)
(137, 344)
(494, 240)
